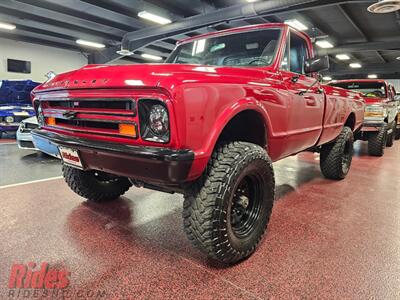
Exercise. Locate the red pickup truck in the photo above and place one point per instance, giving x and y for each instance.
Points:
(208, 124)
(380, 118)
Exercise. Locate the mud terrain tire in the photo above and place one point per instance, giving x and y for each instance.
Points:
(377, 142)
(95, 186)
(336, 157)
(226, 212)
(391, 136)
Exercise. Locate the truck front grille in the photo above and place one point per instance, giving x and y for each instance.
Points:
(94, 116)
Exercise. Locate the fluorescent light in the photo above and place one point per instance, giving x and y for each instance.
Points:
(7, 26)
(342, 56)
(324, 44)
(251, 0)
(154, 18)
(372, 76)
(152, 57)
(355, 65)
(398, 58)
(90, 44)
(327, 78)
(296, 24)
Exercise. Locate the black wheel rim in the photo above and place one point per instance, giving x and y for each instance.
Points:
(246, 206)
(347, 157)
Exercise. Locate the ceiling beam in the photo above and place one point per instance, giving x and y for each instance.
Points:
(358, 29)
(352, 22)
(53, 30)
(388, 68)
(36, 40)
(137, 39)
(90, 13)
(22, 11)
(366, 46)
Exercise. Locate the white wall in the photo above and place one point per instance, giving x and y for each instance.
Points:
(43, 59)
(396, 84)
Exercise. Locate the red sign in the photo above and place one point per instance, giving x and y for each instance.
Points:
(28, 276)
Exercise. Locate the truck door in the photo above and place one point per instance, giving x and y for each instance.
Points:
(305, 116)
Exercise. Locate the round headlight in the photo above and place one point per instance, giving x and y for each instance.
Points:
(9, 119)
(158, 119)
(40, 116)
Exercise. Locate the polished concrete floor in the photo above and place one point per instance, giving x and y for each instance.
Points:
(326, 239)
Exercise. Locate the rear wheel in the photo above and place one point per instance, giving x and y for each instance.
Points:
(94, 185)
(397, 135)
(391, 136)
(377, 142)
(336, 157)
(227, 211)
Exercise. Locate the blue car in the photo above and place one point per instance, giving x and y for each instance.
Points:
(15, 103)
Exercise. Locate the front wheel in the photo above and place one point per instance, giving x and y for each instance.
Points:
(227, 211)
(336, 157)
(94, 185)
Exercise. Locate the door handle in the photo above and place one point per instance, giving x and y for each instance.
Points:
(311, 101)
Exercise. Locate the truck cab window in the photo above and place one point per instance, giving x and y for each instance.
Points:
(298, 53)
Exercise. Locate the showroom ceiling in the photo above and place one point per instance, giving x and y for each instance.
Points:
(372, 40)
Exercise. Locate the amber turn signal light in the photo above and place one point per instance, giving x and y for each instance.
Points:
(51, 121)
(127, 129)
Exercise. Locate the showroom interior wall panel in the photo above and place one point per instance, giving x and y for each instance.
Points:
(396, 84)
(43, 59)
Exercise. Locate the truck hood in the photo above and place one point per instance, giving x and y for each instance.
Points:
(143, 75)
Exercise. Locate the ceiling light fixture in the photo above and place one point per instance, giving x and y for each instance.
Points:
(355, 65)
(124, 52)
(251, 0)
(327, 78)
(154, 18)
(152, 57)
(384, 6)
(372, 76)
(324, 44)
(90, 44)
(398, 58)
(296, 24)
(342, 57)
(7, 26)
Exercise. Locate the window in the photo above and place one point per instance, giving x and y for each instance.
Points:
(298, 53)
(367, 88)
(250, 48)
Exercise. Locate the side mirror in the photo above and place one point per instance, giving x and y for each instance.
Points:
(315, 65)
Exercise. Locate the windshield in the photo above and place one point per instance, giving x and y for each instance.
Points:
(250, 48)
(368, 89)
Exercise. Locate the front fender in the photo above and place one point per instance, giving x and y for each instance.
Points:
(228, 114)
(202, 155)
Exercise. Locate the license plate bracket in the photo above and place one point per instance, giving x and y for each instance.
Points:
(70, 157)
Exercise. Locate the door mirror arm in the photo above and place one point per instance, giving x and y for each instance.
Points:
(295, 78)
(302, 93)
